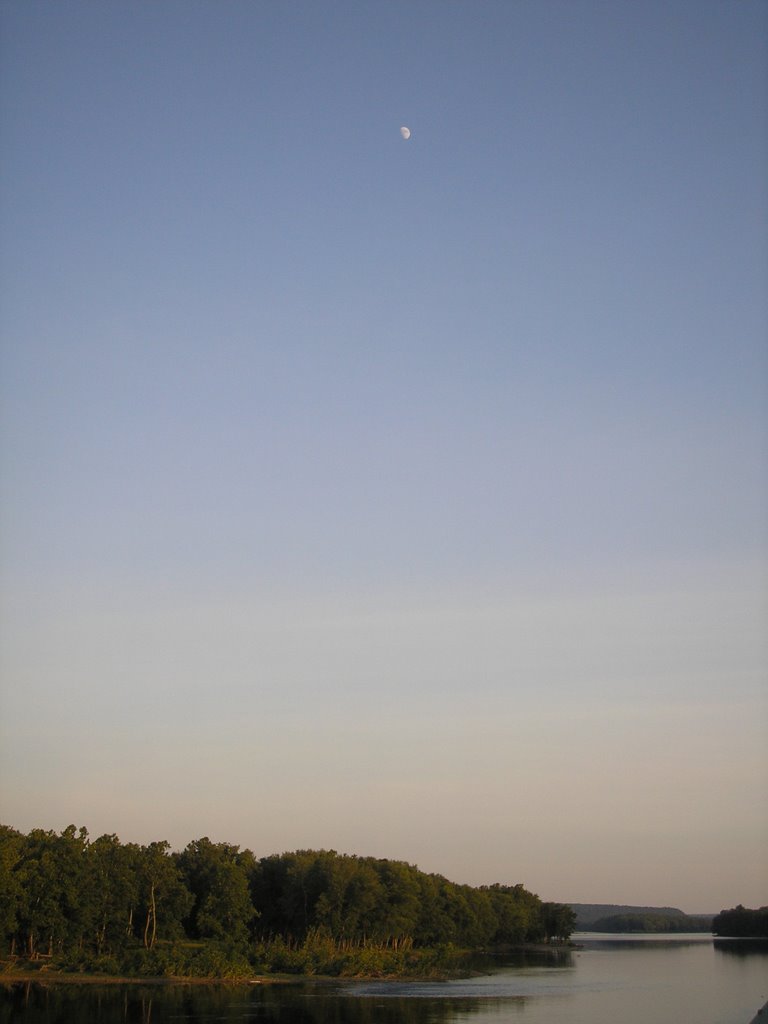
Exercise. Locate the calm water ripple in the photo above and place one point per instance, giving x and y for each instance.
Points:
(648, 980)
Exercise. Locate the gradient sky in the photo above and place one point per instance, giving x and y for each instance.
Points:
(402, 498)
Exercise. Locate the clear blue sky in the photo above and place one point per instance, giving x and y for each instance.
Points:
(402, 497)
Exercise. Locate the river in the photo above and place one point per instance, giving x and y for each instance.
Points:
(616, 979)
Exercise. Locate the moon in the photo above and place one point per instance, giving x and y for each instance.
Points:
(405, 132)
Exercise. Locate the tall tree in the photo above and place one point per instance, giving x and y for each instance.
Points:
(113, 884)
(50, 873)
(11, 893)
(166, 900)
(559, 921)
(217, 876)
(400, 901)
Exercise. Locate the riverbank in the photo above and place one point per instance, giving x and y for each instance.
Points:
(54, 976)
(457, 964)
(626, 981)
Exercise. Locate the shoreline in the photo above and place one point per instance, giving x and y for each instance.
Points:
(79, 978)
(54, 976)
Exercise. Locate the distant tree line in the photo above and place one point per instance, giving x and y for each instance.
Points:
(122, 907)
(652, 923)
(742, 922)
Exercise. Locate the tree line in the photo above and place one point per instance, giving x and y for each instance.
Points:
(741, 922)
(652, 923)
(104, 904)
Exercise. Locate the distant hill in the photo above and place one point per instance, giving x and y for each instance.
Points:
(588, 914)
(651, 923)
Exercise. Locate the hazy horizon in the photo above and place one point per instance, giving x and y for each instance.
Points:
(402, 497)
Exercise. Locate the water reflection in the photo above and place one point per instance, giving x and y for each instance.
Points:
(538, 957)
(385, 1002)
(742, 947)
(289, 1004)
(633, 980)
(646, 942)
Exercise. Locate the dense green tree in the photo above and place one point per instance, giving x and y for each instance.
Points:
(519, 915)
(217, 876)
(650, 922)
(113, 883)
(163, 897)
(558, 921)
(11, 891)
(742, 922)
(399, 901)
(435, 926)
(50, 873)
(305, 911)
(350, 897)
(513, 916)
(284, 890)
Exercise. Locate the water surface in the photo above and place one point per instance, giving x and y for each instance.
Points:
(682, 979)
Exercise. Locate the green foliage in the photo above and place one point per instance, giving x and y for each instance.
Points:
(320, 955)
(520, 916)
(64, 894)
(217, 875)
(11, 891)
(364, 900)
(651, 923)
(558, 921)
(164, 900)
(52, 901)
(213, 910)
(114, 887)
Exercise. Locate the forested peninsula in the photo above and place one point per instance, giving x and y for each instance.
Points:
(72, 904)
(741, 922)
